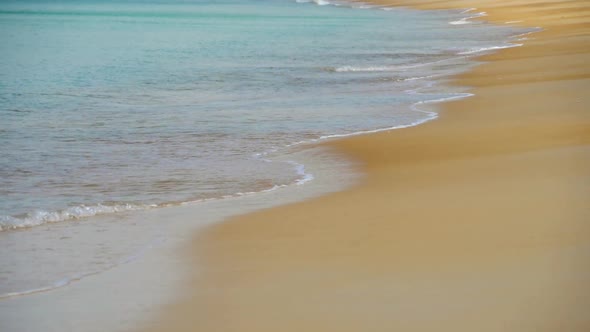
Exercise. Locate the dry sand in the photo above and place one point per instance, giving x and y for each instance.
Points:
(478, 221)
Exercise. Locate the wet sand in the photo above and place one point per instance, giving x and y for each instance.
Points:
(477, 221)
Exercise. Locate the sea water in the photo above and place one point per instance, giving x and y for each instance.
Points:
(110, 108)
(122, 105)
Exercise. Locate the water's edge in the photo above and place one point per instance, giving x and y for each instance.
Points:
(320, 172)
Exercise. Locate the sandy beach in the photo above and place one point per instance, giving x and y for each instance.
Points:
(477, 221)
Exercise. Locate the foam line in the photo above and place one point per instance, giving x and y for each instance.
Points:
(76, 212)
(490, 48)
(467, 20)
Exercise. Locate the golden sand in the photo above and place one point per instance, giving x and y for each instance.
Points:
(478, 221)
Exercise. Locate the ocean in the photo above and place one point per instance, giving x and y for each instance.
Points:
(113, 108)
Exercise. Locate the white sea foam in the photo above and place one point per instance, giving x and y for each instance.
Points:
(468, 10)
(300, 169)
(461, 21)
(317, 2)
(303, 177)
(467, 20)
(84, 211)
(38, 218)
(489, 48)
(341, 3)
(76, 212)
(533, 30)
(499, 47)
(430, 115)
(419, 78)
(344, 69)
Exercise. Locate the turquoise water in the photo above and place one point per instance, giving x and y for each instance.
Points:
(113, 106)
(121, 105)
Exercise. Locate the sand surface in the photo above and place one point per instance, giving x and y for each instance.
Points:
(478, 221)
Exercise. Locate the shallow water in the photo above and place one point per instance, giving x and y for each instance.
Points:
(114, 106)
(111, 107)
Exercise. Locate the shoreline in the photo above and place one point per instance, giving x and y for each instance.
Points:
(49, 209)
(153, 237)
(475, 221)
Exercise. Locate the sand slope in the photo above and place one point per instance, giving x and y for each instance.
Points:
(478, 221)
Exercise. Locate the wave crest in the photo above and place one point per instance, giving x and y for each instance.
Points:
(317, 2)
(76, 212)
(345, 69)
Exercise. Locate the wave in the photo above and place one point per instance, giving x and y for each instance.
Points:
(317, 2)
(468, 10)
(346, 3)
(83, 211)
(41, 217)
(488, 48)
(76, 212)
(467, 20)
(430, 115)
(344, 69)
